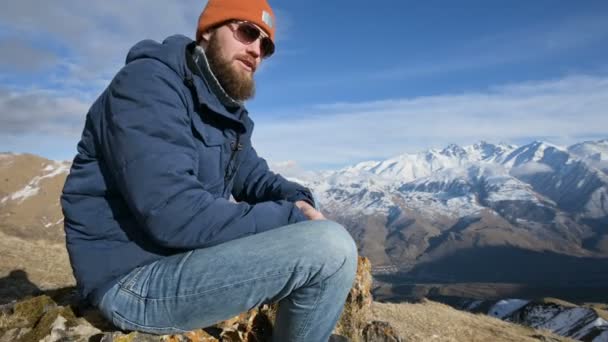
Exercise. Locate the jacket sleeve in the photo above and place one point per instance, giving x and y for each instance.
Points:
(254, 183)
(147, 142)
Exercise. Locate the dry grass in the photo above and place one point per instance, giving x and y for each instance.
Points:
(431, 321)
(46, 265)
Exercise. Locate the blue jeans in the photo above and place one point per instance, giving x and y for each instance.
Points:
(307, 267)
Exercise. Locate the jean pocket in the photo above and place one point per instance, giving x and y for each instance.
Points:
(129, 282)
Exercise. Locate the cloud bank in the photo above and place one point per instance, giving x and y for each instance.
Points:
(560, 111)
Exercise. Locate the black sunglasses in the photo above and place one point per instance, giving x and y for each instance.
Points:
(248, 33)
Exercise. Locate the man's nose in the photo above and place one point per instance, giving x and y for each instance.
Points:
(254, 49)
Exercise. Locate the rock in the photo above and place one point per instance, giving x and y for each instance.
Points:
(58, 330)
(358, 305)
(378, 331)
(14, 334)
(131, 337)
(26, 313)
(338, 338)
(44, 327)
(41, 319)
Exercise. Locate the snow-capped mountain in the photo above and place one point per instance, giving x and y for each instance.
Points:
(594, 153)
(496, 172)
(418, 209)
(408, 167)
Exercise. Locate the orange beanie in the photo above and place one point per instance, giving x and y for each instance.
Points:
(219, 11)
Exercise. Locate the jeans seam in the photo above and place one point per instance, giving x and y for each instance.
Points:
(127, 285)
(266, 276)
(270, 275)
(300, 333)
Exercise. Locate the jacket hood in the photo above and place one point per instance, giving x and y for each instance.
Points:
(172, 52)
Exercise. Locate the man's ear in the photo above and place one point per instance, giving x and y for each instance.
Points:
(205, 39)
(206, 36)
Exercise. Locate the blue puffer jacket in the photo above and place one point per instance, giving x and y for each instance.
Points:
(159, 157)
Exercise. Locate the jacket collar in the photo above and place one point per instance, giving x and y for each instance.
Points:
(208, 88)
(200, 58)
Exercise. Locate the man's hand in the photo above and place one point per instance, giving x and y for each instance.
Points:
(309, 211)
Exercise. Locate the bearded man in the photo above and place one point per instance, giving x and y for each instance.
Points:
(155, 241)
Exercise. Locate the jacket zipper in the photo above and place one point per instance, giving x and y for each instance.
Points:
(235, 146)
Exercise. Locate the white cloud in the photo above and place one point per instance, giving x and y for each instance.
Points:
(91, 39)
(530, 168)
(94, 37)
(75, 48)
(292, 170)
(561, 111)
(41, 112)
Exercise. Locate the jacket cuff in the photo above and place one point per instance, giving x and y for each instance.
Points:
(296, 215)
(303, 195)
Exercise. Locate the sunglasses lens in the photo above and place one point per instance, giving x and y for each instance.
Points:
(248, 34)
(267, 47)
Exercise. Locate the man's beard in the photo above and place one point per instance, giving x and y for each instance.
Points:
(236, 84)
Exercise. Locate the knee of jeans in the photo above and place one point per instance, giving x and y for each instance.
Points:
(336, 242)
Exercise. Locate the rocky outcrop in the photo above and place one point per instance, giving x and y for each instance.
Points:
(42, 319)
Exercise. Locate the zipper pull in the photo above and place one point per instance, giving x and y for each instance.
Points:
(189, 82)
(236, 145)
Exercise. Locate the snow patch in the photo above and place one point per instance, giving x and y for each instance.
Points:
(506, 307)
(474, 304)
(596, 323)
(563, 322)
(509, 189)
(597, 206)
(25, 193)
(32, 188)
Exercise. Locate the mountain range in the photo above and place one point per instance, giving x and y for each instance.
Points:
(534, 215)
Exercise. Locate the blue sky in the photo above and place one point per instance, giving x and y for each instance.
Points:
(351, 80)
